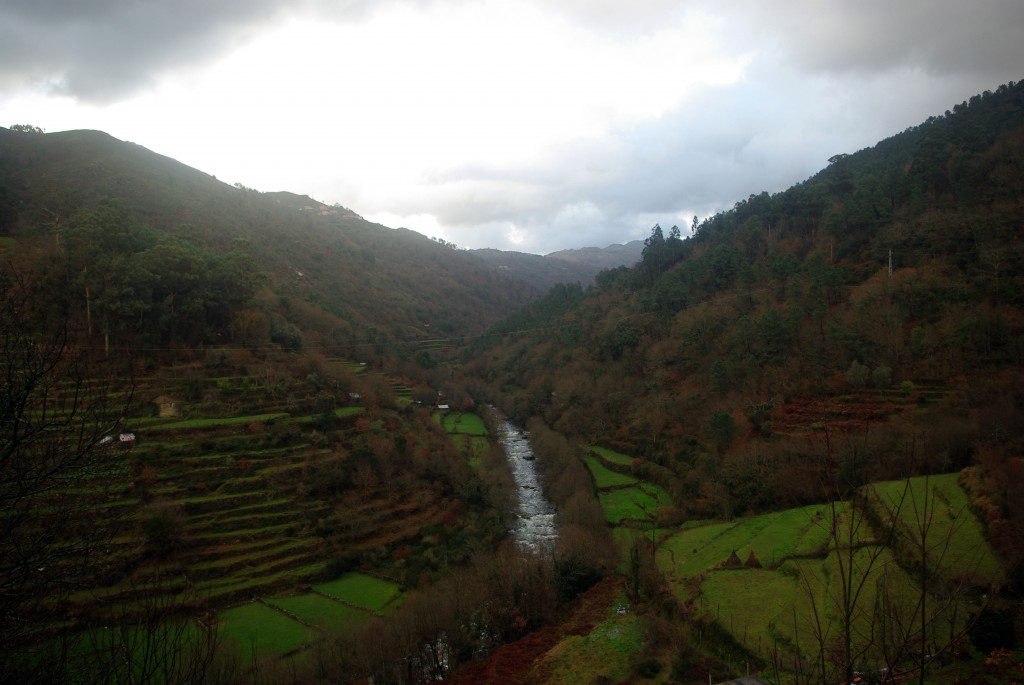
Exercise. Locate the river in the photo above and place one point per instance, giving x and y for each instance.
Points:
(534, 525)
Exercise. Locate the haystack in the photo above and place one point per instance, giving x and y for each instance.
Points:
(733, 561)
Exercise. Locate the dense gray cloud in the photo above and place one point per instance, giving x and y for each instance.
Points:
(102, 50)
(826, 78)
(947, 36)
(944, 36)
(697, 159)
(99, 50)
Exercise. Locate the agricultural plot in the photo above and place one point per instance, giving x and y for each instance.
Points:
(403, 394)
(362, 590)
(240, 526)
(121, 653)
(261, 630)
(801, 416)
(464, 423)
(279, 625)
(339, 412)
(216, 422)
(605, 477)
(797, 596)
(639, 502)
(762, 607)
(320, 611)
(955, 542)
(611, 455)
(468, 432)
(233, 499)
(622, 497)
(605, 654)
(772, 537)
(258, 580)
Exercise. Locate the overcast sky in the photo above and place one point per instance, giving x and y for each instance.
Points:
(526, 125)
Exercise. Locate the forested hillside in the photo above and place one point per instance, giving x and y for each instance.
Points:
(146, 250)
(803, 421)
(867, 321)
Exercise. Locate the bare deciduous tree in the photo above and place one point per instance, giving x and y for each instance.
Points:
(57, 467)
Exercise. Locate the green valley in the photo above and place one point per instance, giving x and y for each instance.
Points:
(249, 437)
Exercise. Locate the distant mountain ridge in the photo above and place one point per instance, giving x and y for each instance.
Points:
(609, 257)
(541, 271)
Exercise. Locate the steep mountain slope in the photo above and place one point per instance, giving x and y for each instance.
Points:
(340, 280)
(880, 298)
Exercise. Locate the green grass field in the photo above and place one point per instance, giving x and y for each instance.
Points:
(605, 654)
(464, 422)
(638, 502)
(612, 456)
(254, 627)
(788, 604)
(213, 423)
(361, 590)
(956, 542)
(772, 537)
(468, 432)
(759, 606)
(320, 611)
(605, 477)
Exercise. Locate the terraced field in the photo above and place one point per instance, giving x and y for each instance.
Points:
(801, 416)
(634, 504)
(761, 607)
(278, 625)
(955, 544)
(793, 589)
(243, 529)
(231, 499)
(468, 432)
(248, 506)
(771, 537)
(611, 455)
(603, 476)
(626, 500)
